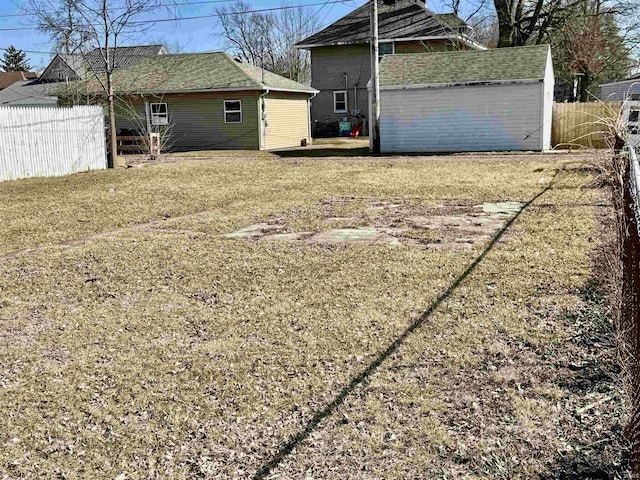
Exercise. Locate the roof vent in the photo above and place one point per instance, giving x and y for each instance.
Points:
(237, 59)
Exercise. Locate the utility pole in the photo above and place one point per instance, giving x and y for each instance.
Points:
(374, 121)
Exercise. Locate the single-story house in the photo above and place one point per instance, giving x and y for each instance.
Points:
(29, 93)
(628, 89)
(9, 78)
(471, 100)
(201, 101)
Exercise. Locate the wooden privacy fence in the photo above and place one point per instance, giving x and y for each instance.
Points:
(576, 125)
(38, 142)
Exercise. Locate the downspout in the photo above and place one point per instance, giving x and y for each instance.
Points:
(355, 96)
(262, 117)
(346, 91)
(310, 122)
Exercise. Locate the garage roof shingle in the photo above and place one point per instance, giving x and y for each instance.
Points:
(465, 66)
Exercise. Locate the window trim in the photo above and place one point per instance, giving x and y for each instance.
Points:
(335, 110)
(157, 116)
(226, 110)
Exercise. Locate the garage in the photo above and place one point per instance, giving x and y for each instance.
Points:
(491, 100)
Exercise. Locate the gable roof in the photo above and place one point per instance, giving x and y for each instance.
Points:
(122, 56)
(195, 72)
(8, 78)
(28, 92)
(93, 61)
(404, 19)
(75, 62)
(465, 66)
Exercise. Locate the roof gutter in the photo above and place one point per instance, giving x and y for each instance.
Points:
(462, 38)
(214, 90)
(382, 39)
(474, 83)
(632, 80)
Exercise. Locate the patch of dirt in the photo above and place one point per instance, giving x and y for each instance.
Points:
(456, 226)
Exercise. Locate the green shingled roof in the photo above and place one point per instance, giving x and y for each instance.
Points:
(195, 72)
(516, 63)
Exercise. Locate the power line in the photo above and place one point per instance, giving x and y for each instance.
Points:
(202, 2)
(196, 17)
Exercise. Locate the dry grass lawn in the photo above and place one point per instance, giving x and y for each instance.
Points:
(137, 341)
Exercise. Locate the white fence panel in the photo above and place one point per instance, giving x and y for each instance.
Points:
(37, 142)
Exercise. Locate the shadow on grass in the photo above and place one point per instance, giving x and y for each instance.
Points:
(608, 457)
(323, 152)
(314, 423)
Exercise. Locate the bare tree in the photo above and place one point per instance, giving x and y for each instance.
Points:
(62, 22)
(471, 11)
(267, 39)
(588, 49)
(522, 22)
(98, 24)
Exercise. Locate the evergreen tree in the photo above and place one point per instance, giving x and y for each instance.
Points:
(589, 49)
(14, 60)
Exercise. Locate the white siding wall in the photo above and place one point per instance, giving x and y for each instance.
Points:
(466, 118)
(37, 142)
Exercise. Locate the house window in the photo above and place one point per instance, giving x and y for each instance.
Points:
(340, 101)
(634, 116)
(233, 111)
(61, 76)
(634, 97)
(159, 114)
(386, 48)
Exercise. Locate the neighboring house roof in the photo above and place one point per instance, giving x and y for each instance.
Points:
(7, 78)
(28, 93)
(465, 66)
(195, 72)
(402, 20)
(75, 63)
(93, 61)
(632, 79)
(452, 20)
(122, 56)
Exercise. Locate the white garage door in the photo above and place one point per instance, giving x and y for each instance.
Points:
(462, 119)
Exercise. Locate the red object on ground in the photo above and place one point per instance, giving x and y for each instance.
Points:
(355, 131)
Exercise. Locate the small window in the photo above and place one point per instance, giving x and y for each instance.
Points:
(61, 76)
(634, 97)
(233, 111)
(634, 115)
(340, 101)
(159, 114)
(386, 48)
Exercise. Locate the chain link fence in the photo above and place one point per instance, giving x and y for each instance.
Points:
(629, 315)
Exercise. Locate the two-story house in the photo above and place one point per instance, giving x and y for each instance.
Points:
(341, 60)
